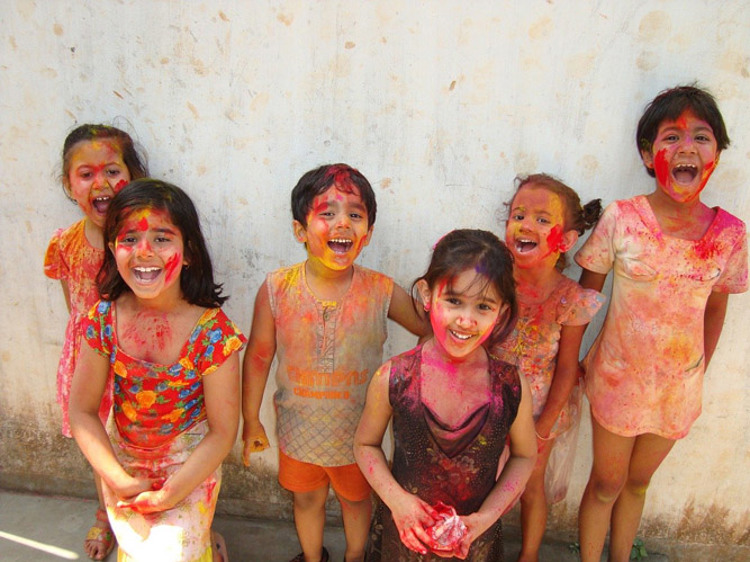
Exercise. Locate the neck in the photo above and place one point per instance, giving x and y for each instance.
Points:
(327, 283)
(537, 280)
(93, 233)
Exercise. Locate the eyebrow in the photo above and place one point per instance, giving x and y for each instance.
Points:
(524, 209)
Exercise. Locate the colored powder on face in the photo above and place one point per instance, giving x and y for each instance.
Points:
(661, 167)
(555, 238)
(173, 267)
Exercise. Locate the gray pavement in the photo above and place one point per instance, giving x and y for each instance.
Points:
(36, 528)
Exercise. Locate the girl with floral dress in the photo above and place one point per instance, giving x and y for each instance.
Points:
(174, 355)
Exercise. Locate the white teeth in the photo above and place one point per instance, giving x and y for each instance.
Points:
(341, 241)
(461, 336)
(147, 269)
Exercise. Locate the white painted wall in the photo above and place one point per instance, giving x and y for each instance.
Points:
(439, 104)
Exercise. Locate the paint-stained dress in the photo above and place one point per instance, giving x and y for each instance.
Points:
(644, 373)
(159, 419)
(327, 353)
(439, 463)
(534, 343)
(72, 259)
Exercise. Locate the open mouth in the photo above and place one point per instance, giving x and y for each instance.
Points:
(459, 336)
(340, 245)
(101, 204)
(146, 274)
(523, 245)
(684, 173)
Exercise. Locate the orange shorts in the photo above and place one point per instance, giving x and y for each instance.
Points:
(347, 480)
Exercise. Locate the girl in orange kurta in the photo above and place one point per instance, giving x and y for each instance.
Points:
(97, 161)
(674, 261)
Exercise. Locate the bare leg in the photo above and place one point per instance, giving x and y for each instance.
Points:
(648, 453)
(101, 543)
(534, 507)
(310, 519)
(608, 476)
(356, 516)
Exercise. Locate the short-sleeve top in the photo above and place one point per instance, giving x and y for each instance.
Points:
(534, 343)
(152, 402)
(644, 372)
(327, 352)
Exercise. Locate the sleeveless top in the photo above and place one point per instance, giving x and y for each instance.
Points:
(455, 465)
(327, 352)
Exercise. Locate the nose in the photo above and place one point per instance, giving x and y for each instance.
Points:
(143, 248)
(465, 319)
(100, 180)
(687, 144)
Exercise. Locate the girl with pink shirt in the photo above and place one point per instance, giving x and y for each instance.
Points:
(545, 220)
(98, 160)
(674, 262)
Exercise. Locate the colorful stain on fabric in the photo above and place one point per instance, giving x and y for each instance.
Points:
(155, 402)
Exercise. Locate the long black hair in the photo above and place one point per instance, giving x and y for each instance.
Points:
(196, 278)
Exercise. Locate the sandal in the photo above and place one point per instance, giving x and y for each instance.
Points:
(301, 556)
(100, 534)
(219, 546)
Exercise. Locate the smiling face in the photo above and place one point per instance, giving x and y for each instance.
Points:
(337, 228)
(535, 231)
(96, 172)
(683, 157)
(149, 252)
(463, 312)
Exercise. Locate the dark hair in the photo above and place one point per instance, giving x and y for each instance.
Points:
(131, 156)
(483, 252)
(577, 217)
(197, 278)
(317, 181)
(672, 103)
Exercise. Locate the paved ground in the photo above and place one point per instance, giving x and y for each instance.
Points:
(36, 528)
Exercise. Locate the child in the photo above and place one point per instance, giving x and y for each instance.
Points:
(325, 318)
(675, 261)
(97, 161)
(452, 405)
(545, 221)
(172, 351)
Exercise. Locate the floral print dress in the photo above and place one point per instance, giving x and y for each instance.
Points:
(159, 419)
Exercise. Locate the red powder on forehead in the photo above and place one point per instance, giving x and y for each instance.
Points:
(340, 173)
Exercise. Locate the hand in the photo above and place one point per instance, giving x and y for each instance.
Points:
(135, 485)
(476, 524)
(412, 516)
(254, 441)
(156, 498)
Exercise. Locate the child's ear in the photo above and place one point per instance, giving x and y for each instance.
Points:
(300, 232)
(569, 240)
(424, 293)
(648, 159)
(366, 240)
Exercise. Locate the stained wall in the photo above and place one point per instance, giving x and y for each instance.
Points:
(439, 104)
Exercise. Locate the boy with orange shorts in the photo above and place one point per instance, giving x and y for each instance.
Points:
(325, 320)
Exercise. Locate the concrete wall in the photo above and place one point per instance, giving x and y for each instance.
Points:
(439, 104)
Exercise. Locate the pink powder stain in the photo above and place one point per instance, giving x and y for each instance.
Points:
(119, 185)
(555, 238)
(707, 171)
(173, 267)
(661, 167)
